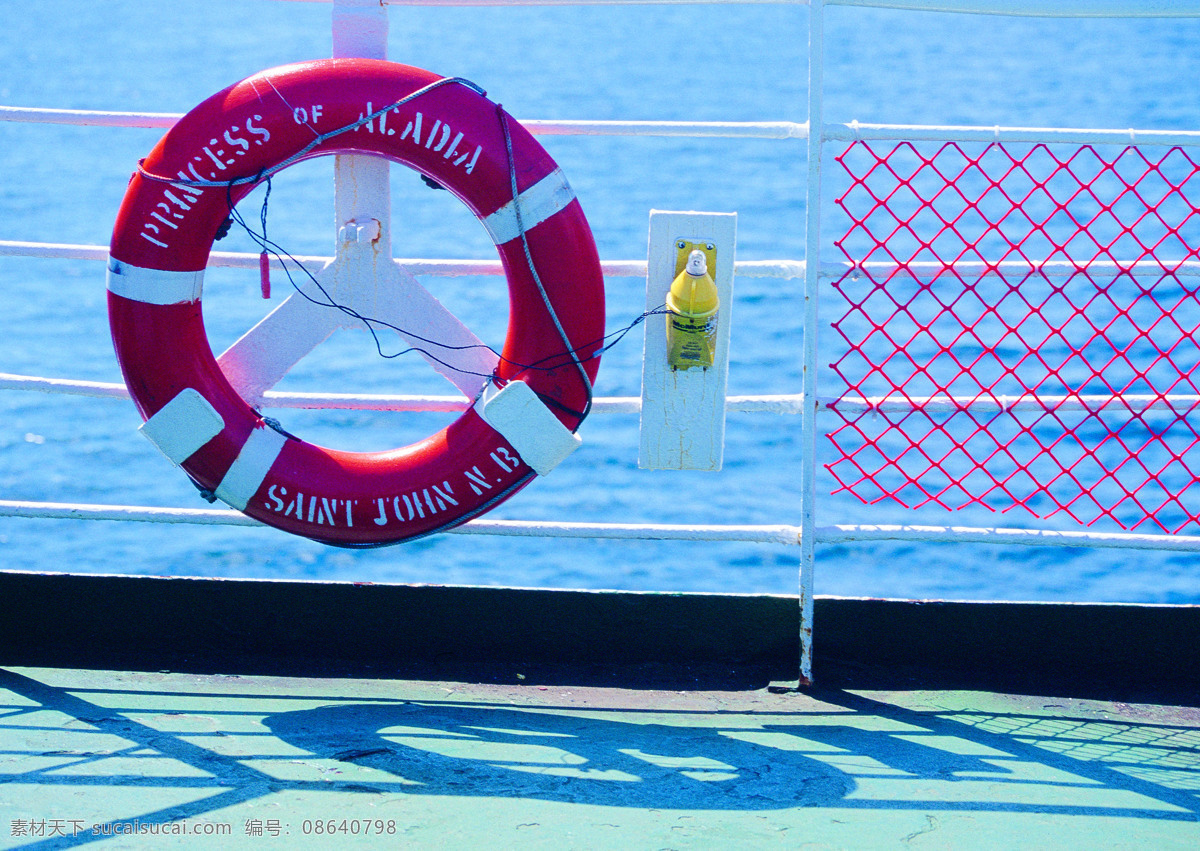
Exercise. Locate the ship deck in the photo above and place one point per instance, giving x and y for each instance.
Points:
(449, 764)
(260, 713)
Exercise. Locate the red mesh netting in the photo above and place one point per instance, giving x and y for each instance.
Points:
(1017, 328)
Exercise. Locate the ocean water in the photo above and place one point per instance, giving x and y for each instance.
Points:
(64, 184)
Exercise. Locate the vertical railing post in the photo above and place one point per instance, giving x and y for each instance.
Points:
(812, 279)
(361, 188)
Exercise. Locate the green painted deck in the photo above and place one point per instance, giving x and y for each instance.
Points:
(279, 762)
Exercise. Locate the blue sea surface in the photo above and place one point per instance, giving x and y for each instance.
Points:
(64, 184)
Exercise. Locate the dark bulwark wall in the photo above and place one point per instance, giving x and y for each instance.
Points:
(626, 638)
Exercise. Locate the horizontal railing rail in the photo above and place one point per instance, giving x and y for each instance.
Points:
(783, 269)
(782, 403)
(786, 269)
(538, 127)
(760, 534)
(859, 534)
(847, 132)
(985, 403)
(1037, 8)
(1024, 8)
(856, 131)
(779, 403)
(417, 266)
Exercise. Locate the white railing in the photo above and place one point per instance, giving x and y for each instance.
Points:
(538, 127)
(1036, 8)
(345, 25)
(807, 404)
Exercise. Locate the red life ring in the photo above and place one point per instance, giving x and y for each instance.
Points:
(444, 129)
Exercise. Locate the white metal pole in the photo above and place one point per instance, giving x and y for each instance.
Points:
(1042, 8)
(812, 278)
(361, 187)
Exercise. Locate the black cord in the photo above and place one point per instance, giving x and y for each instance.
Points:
(557, 360)
(549, 363)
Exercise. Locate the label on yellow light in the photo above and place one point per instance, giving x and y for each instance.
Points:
(693, 304)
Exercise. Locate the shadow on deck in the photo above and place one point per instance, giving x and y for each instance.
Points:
(242, 712)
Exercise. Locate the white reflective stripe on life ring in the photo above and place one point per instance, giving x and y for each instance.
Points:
(153, 286)
(524, 421)
(245, 476)
(539, 202)
(183, 425)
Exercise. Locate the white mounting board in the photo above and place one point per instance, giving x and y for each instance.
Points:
(683, 411)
